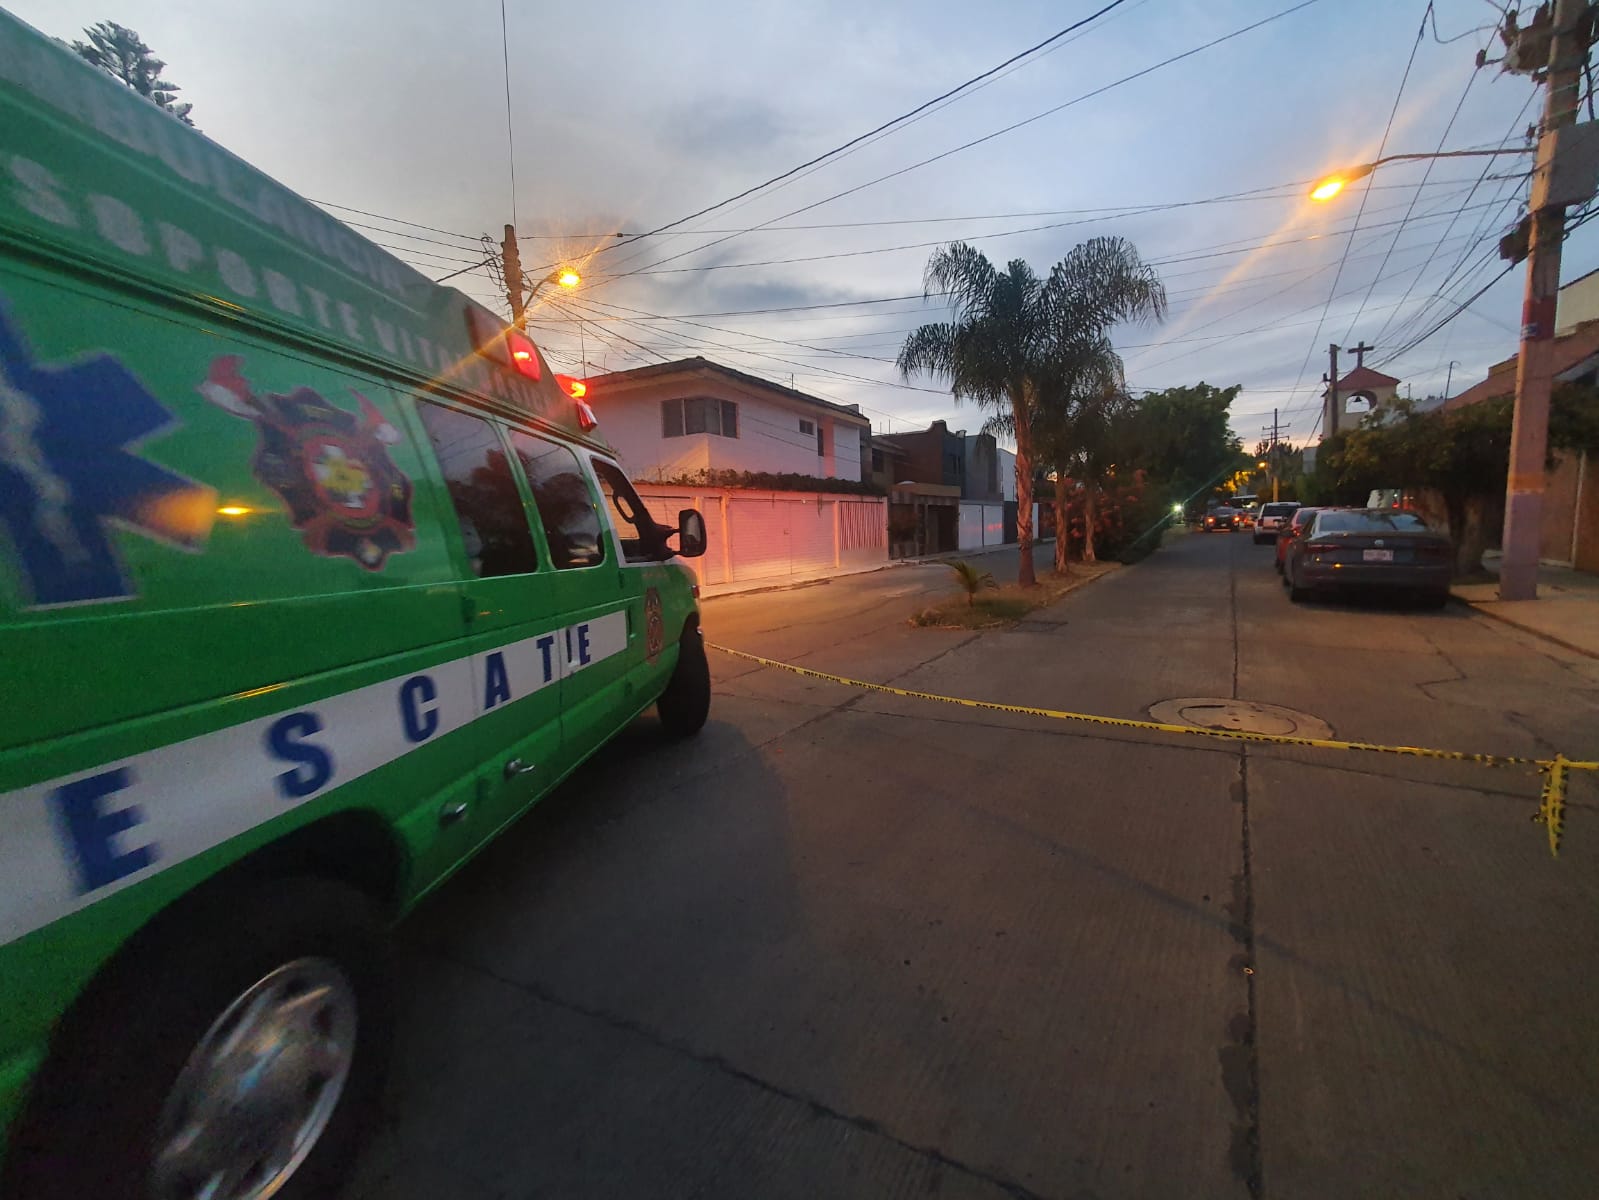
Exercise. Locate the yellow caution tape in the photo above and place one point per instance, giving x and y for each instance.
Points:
(1551, 811)
(1552, 803)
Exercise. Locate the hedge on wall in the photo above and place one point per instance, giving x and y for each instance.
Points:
(769, 481)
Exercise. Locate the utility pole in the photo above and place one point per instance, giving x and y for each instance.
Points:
(1275, 456)
(1332, 390)
(1529, 434)
(515, 285)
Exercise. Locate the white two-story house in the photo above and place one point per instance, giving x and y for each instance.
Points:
(677, 419)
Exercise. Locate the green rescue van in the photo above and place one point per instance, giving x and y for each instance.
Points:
(312, 579)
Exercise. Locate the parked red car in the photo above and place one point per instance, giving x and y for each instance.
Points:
(1289, 530)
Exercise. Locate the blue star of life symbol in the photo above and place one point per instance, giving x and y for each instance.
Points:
(68, 472)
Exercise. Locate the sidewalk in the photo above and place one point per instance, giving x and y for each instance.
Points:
(1566, 610)
(784, 583)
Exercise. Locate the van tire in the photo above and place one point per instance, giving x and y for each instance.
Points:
(91, 1125)
(686, 702)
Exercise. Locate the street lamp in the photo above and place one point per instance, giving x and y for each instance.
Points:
(1330, 185)
(562, 277)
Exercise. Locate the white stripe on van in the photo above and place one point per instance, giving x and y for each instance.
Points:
(71, 841)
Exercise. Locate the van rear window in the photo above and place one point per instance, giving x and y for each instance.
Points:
(477, 471)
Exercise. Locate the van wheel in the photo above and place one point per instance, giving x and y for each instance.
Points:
(686, 702)
(238, 1053)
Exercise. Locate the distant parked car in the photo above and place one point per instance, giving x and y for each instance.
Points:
(1221, 518)
(1348, 548)
(1290, 529)
(1273, 514)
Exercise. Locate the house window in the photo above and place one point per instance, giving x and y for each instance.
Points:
(699, 414)
(877, 460)
(807, 426)
(821, 444)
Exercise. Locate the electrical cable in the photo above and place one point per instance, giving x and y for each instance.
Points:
(1381, 147)
(1099, 91)
(881, 128)
(510, 139)
(1486, 168)
(1004, 233)
(1431, 163)
(396, 220)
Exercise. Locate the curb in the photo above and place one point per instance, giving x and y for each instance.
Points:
(1527, 629)
(924, 560)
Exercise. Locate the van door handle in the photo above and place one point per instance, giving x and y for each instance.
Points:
(517, 767)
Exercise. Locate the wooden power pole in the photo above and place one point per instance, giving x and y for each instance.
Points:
(515, 285)
(1529, 436)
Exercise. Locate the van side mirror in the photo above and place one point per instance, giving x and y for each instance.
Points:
(691, 537)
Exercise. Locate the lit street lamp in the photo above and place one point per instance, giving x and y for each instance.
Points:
(1329, 186)
(561, 277)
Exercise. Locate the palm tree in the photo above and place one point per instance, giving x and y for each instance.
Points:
(971, 579)
(1011, 334)
(1069, 421)
(1103, 433)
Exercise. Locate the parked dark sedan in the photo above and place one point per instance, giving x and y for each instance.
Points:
(1347, 548)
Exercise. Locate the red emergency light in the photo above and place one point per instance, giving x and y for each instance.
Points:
(523, 356)
(572, 386)
(501, 343)
(586, 420)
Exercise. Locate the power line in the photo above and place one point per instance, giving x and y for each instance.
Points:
(881, 128)
(1486, 168)
(395, 220)
(1004, 233)
(510, 139)
(1431, 163)
(1381, 147)
(1099, 91)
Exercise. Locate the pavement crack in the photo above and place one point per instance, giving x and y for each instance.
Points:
(719, 1063)
(1240, 1052)
(1232, 607)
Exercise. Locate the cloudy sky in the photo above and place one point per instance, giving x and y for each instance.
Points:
(627, 115)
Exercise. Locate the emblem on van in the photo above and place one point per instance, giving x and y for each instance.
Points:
(332, 468)
(70, 469)
(654, 626)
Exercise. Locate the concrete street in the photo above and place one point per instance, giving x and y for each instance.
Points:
(847, 944)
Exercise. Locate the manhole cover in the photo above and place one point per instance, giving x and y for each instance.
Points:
(1246, 716)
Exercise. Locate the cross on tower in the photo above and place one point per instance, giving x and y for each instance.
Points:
(1360, 353)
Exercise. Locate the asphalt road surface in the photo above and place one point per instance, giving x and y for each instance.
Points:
(847, 944)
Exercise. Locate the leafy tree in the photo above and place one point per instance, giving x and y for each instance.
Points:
(122, 54)
(1183, 440)
(1011, 332)
(1462, 454)
(970, 579)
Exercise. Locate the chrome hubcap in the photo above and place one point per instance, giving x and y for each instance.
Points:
(259, 1089)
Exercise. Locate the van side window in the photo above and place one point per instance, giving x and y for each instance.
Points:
(642, 539)
(565, 504)
(478, 473)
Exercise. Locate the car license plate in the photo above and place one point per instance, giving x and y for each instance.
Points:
(1377, 555)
